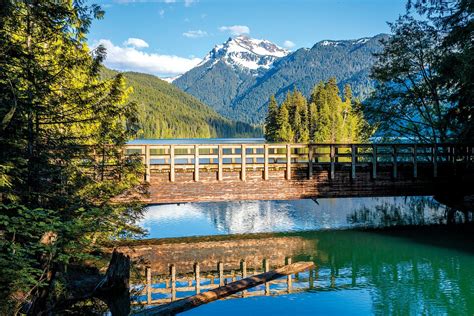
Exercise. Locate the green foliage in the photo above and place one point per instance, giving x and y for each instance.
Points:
(425, 73)
(61, 135)
(165, 111)
(271, 123)
(324, 118)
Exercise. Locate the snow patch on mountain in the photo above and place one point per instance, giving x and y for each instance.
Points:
(246, 53)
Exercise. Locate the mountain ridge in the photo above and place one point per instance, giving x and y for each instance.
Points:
(243, 94)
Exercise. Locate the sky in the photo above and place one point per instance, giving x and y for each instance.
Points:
(168, 37)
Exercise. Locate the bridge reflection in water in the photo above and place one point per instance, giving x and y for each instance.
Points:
(407, 271)
(225, 172)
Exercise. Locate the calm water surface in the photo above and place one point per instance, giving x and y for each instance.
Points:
(409, 271)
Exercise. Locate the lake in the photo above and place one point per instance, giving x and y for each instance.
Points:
(373, 255)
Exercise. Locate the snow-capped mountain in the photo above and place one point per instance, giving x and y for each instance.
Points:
(245, 53)
(238, 77)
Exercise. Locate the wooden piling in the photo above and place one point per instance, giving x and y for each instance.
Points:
(243, 270)
(148, 285)
(266, 268)
(289, 281)
(220, 267)
(173, 282)
(197, 277)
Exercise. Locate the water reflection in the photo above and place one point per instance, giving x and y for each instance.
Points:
(194, 219)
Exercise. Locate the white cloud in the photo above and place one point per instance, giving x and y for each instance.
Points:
(135, 42)
(131, 59)
(188, 3)
(195, 34)
(170, 1)
(162, 13)
(235, 29)
(288, 44)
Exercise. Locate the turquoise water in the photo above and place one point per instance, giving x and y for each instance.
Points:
(373, 255)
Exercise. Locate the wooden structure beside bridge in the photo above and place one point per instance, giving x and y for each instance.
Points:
(224, 172)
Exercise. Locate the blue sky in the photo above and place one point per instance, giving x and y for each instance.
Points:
(168, 37)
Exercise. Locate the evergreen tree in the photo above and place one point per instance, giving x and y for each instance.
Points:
(271, 121)
(61, 135)
(285, 131)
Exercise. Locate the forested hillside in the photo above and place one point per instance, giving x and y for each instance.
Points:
(167, 112)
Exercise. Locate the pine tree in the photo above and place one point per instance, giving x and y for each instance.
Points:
(271, 121)
(285, 131)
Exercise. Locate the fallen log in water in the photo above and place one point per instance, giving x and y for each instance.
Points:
(226, 290)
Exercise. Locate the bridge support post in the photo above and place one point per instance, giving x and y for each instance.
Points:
(265, 162)
(148, 285)
(219, 163)
(243, 163)
(288, 161)
(353, 161)
(266, 268)
(220, 267)
(172, 167)
(289, 280)
(332, 162)
(374, 162)
(310, 161)
(173, 282)
(197, 277)
(147, 164)
(196, 162)
(243, 269)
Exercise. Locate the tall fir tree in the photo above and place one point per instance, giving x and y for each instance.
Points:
(271, 121)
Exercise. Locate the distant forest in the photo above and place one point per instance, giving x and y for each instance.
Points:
(164, 111)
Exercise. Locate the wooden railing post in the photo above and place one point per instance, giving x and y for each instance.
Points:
(374, 162)
(173, 282)
(331, 158)
(220, 267)
(289, 280)
(148, 285)
(415, 161)
(196, 162)
(265, 162)
(243, 163)
(147, 164)
(310, 161)
(219, 161)
(266, 268)
(311, 278)
(394, 161)
(353, 161)
(172, 168)
(243, 269)
(197, 277)
(288, 161)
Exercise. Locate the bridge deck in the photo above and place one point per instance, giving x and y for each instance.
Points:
(222, 172)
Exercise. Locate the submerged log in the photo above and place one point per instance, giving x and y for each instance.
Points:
(226, 290)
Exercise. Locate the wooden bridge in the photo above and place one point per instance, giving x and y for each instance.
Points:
(225, 172)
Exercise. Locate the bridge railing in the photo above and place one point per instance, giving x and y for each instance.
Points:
(219, 158)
